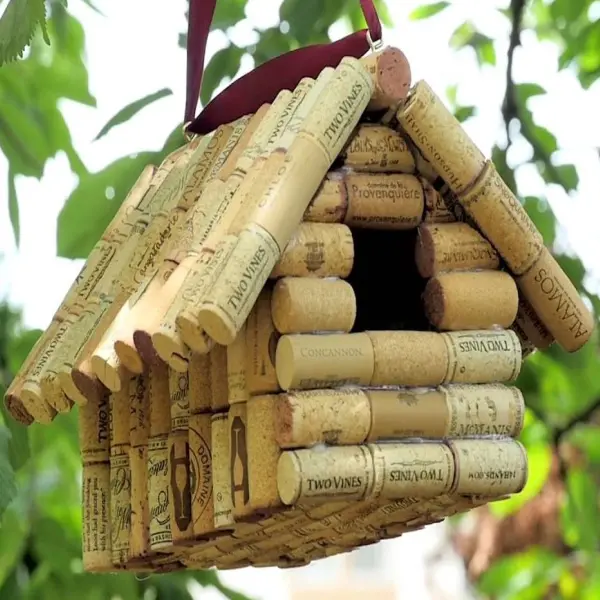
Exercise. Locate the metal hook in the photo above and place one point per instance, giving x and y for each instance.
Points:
(186, 134)
(374, 45)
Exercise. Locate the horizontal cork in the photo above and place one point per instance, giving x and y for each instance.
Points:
(320, 361)
(305, 304)
(529, 327)
(378, 149)
(413, 358)
(452, 247)
(502, 219)
(325, 474)
(335, 417)
(317, 250)
(391, 74)
(555, 300)
(471, 300)
(436, 208)
(440, 137)
(490, 467)
(423, 470)
(263, 452)
(330, 202)
(482, 356)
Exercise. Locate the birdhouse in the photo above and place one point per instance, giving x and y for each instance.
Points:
(300, 333)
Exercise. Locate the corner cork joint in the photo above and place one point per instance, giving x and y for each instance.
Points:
(305, 304)
(471, 300)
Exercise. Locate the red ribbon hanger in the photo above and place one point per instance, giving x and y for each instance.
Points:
(245, 95)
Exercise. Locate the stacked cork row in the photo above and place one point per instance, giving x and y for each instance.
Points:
(231, 411)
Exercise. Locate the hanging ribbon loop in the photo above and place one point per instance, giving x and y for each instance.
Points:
(245, 95)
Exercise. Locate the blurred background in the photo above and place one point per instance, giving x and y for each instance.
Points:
(81, 116)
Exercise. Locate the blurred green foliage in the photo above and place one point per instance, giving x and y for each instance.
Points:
(40, 554)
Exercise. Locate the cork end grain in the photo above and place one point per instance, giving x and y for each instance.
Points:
(284, 420)
(219, 329)
(108, 375)
(394, 75)
(129, 356)
(171, 350)
(192, 334)
(289, 481)
(17, 409)
(285, 362)
(37, 407)
(434, 302)
(425, 251)
(145, 348)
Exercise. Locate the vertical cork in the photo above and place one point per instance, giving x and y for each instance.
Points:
(180, 465)
(452, 247)
(471, 300)
(423, 470)
(304, 304)
(236, 369)
(440, 137)
(120, 477)
(380, 201)
(238, 457)
(391, 74)
(335, 417)
(261, 342)
(317, 250)
(489, 467)
(378, 149)
(201, 465)
(318, 361)
(476, 410)
(325, 474)
(139, 431)
(200, 383)
(94, 441)
(222, 492)
(482, 356)
(218, 378)
(161, 538)
(502, 219)
(263, 452)
(436, 208)
(415, 358)
(555, 300)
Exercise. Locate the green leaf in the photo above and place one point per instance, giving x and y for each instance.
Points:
(228, 13)
(587, 438)
(18, 445)
(524, 91)
(486, 53)
(224, 63)
(543, 217)
(13, 207)
(87, 211)
(462, 35)
(567, 177)
(580, 512)
(428, 10)
(462, 113)
(568, 10)
(13, 538)
(18, 24)
(129, 111)
(8, 488)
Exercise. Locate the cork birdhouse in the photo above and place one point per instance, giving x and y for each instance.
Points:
(300, 334)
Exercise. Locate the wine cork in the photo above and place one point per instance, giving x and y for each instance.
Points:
(201, 465)
(161, 538)
(423, 470)
(380, 201)
(452, 247)
(318, 361)
(378, 149)
(282, 205)
(336, 417)
(325, 474)
(304, 304)
(414, 358)
(489, 467)
(449, 411)
(527, 346)
(555, 300)
(440, 137)
(200, 383)
(238, 468)
(503, 221)
(218, 378)
(16, 408)
(529, 327)
(330, 202)
(261, 343)
(221, 475)
(471, 300)
(391, 74)
(436, 208)
(263, 452)
(317, 250)
(236, 369)
(229, 301)
(120, 477)
(94, 440)
(139, 430)
(482, 356)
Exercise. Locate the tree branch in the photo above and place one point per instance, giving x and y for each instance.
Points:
(581, 418)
